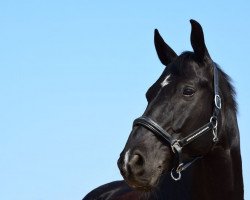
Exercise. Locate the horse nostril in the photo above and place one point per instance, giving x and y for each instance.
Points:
(136, 164)
(137, 160)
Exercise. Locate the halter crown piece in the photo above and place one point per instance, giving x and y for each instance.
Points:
(178, 144)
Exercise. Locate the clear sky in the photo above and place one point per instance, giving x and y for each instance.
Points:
(73, 76)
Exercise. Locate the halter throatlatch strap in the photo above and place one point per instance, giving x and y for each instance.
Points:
(178, 144)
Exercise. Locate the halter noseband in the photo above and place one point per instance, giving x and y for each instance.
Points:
(178, 144)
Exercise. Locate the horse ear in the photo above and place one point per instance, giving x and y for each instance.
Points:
(164, 52)
(197, 41)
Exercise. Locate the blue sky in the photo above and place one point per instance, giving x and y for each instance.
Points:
(73, 76)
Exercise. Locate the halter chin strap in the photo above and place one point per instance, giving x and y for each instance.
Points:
(178, 144)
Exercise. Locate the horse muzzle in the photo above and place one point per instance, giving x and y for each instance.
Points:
(136, 173)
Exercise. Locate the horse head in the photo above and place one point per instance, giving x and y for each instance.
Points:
(180, 102)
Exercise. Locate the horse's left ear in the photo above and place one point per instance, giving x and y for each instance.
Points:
(197, 41)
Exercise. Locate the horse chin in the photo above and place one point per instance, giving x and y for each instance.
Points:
(144, 185)
(140, 188)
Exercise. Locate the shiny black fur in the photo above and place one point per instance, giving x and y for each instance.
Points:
(180, 107)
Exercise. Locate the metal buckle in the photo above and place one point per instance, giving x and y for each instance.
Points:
(217, 101)
(179, 168)
(176, 147)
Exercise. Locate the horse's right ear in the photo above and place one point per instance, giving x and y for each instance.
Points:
(164, 52)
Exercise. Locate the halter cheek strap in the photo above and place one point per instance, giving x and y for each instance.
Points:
(178, 144)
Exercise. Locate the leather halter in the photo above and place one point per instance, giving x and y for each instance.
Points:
(178, 144)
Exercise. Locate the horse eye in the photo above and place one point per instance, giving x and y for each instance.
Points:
(188, 91)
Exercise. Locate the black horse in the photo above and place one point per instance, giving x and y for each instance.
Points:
(186, 145)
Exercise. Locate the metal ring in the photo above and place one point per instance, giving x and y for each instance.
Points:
(214, 121)
(217, 101)
(176, 178)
